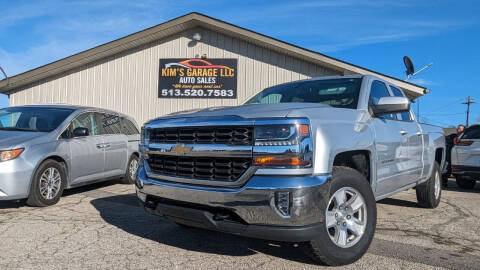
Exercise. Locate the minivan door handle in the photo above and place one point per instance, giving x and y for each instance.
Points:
(403, 132)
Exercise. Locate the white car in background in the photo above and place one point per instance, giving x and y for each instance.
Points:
(466, 158)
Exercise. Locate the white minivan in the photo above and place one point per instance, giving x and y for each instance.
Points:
(466, 158)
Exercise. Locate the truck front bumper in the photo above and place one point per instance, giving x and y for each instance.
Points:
(252, 210)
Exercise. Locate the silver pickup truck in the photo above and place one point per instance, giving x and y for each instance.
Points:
(300, 162)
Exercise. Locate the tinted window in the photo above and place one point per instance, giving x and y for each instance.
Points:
(377, 91)
(405, 116)
(41, 119)
(111, 124)
(472, 133)
(129, 128)
(342, 93)
(86, 120)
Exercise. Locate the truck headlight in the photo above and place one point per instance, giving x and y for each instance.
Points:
(10, 154)
(283, 146)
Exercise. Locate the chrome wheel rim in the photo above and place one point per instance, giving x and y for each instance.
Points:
(346, 217)
(132, 170)
(437, 186)
(50, 183)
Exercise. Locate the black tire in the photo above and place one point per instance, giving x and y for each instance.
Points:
(426, 195)
(129, 178)
(445, 180)
(465, 183)
(35, 198)
(322, 249)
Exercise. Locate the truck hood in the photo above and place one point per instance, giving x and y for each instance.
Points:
(247, 111)
(13, 139)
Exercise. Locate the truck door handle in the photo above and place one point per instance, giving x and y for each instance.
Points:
(100, 146)
(403, 132)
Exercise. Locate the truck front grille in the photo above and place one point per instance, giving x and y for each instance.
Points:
(202, 168)
(237, 135)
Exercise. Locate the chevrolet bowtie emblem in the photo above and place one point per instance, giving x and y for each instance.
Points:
(180, 149)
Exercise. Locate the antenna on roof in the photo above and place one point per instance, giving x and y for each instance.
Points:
(411, 69)
(4, 74)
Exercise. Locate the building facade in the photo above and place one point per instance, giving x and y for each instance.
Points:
(125, 75)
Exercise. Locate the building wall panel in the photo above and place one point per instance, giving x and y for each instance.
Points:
(128, 81)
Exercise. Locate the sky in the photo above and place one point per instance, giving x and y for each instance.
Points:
(372, 34)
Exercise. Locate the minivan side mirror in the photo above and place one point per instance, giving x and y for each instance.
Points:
(388, 105)
(81, 132)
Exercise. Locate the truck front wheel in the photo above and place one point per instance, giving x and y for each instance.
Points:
(350, 220)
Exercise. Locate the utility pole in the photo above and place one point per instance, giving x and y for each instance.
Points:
(468, 102)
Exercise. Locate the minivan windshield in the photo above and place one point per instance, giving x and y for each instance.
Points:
(33, 119)
(341, 93)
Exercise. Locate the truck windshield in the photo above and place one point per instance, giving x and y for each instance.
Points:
(342, 93)
(33, 119)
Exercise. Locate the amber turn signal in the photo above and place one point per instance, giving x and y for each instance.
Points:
(10, 154)
(304, 130)
(280, 161)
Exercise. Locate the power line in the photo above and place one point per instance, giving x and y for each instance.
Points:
(443, 105)
(468, 103)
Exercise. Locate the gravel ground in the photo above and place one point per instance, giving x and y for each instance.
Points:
(102, 227)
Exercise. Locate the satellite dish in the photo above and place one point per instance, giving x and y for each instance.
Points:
(409, 65)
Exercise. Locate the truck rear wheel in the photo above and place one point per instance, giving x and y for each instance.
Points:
(465, 183)
(430, 192)
(350, 220)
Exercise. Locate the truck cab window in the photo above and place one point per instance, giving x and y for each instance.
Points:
(377, 91)
(405, 116)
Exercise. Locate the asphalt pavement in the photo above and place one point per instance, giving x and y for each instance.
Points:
(102, 227)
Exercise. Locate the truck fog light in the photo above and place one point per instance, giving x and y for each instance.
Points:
(282, 202)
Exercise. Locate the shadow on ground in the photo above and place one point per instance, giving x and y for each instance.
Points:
(452, 186)
(66, 193)
(398, 202)
(134, 220)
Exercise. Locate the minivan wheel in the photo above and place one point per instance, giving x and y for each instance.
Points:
(350, 220)
(48, 184)
(132, 168)
(465, 183)
(430, 192)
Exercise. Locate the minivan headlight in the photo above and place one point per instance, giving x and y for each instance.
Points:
(10, 154)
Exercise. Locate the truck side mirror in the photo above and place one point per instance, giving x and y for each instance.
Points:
(388, 105)
(81, 132)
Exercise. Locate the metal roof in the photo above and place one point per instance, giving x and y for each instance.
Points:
(186, 22)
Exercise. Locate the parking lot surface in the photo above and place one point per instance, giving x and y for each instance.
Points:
(102, 227)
